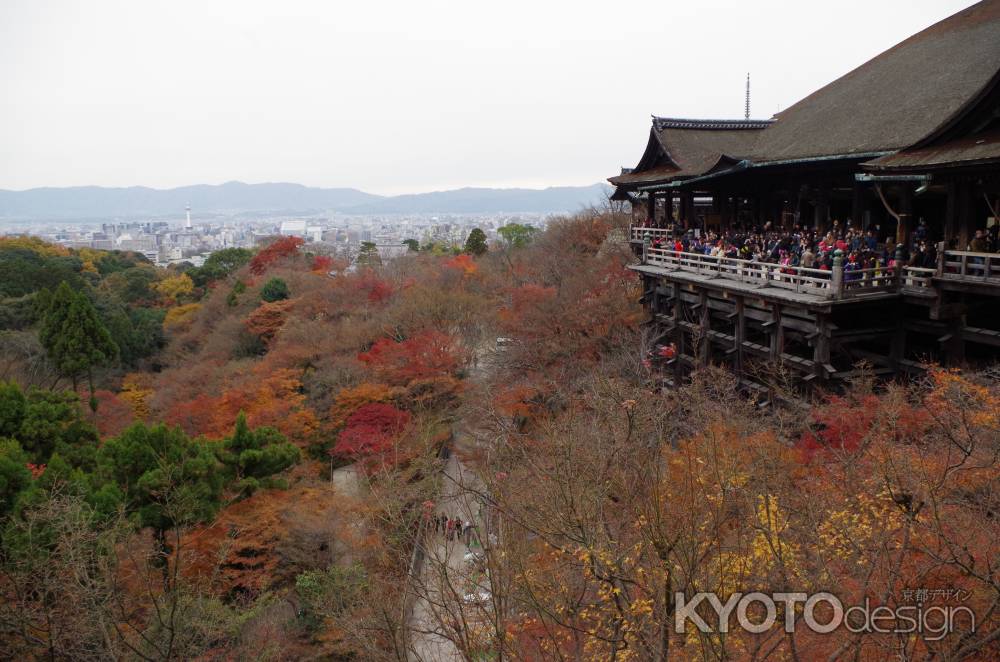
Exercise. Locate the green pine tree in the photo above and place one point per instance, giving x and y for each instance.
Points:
(475, 244)
(75, 338)
(274, 290)
(368, 255)
(253, 456)
(14, 474)
(163, 476)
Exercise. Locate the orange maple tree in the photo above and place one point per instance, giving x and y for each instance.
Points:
(268, 318)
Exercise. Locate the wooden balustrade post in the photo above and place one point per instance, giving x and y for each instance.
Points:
(837, 276)
(899, 265)
(940, 259)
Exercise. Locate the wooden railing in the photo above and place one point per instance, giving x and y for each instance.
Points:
(876, 279)
(835, 284)
(641, 234)
(971, 266)
(918, 278)
(839, 283)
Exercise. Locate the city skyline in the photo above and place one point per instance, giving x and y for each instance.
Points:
(119, 94)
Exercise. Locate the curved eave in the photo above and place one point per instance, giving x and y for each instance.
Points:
(912, 166)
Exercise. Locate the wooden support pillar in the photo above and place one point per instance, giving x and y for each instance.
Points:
(963, 214)
(897, 351)
(739, 334)
(655, 304)
(687, 204)
(678, 336)
(821, 348)
(823, 210)
(777, 341)
(859, 219)
(650, 206)
(905, 225)
(705, 348)
(668, 204)
(777, 334)
(757, 220)
(954, 344)
(951, 216)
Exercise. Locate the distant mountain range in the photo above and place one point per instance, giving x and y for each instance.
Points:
(95, 202)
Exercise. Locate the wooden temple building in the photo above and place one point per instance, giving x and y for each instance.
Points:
(909, 140)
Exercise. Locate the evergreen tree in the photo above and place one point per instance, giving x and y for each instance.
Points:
(75, 338)
(274, 290)
(368, 255)
(252, 456)
(12, 406)
(165, 477)
(219, 265)
(475, 244)
(14, 474)
(45, 422)
(412, 245)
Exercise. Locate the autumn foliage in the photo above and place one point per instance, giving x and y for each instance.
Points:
(376, 289)
(322, 264)
(271, 399)
(427, 354)
(606, 495)
(115, 413)
(268, 318)
(464, 263)
(276, 251)
(371, 431)
(349, 400)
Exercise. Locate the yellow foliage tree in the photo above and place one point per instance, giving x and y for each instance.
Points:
(180, 315)
(136, 393)
(176, 287)
(35, 244)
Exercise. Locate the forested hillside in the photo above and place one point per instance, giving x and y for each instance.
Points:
(239, 461)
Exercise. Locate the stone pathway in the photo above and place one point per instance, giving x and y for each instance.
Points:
(445, 575)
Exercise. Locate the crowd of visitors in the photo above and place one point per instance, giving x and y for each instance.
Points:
(453, 528)
(804, 247)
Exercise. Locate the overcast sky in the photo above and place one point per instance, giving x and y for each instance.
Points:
(395, 97)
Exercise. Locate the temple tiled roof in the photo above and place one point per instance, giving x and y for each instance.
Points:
(893, 101)
(984, 148)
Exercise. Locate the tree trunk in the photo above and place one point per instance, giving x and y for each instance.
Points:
(668, 614)
(90, 385)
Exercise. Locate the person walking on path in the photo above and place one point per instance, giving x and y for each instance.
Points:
(466, 532)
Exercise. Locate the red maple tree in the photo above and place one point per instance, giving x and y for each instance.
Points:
(427, 354)
(277, 250)
(322, 264)
(371, 430)
(377, 289)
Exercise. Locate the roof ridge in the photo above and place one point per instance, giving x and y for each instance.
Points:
(660, 123)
